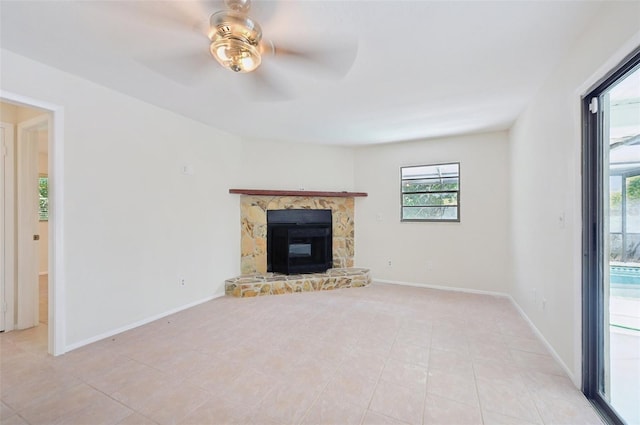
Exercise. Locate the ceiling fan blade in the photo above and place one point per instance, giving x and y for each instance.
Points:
(265, 87)
(331, 60)
(187, 68)
(169, 15)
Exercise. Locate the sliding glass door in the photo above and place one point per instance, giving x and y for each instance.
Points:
(611, 237)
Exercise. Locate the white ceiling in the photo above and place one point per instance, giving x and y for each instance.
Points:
(421, 69)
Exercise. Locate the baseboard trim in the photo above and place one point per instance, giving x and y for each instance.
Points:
(546, 343)
(533, 327)
(142, 322)
(445, 288)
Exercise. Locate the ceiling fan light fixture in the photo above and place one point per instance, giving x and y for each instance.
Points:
(235, 40)
(236, 55)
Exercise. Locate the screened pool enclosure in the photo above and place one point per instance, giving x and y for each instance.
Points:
(624, 200)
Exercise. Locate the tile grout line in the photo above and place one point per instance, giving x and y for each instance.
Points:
(426, 384)
(475, 381)
(375, 387)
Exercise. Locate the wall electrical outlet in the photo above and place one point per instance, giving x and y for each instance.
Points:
(181, 281)
(389, 263)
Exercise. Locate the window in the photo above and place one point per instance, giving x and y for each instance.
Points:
(43, 192)
(431, 192)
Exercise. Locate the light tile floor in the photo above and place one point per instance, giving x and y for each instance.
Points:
(377, 355)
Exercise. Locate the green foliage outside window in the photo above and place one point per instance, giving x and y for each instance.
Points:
(633, 192)
(633, 187)
(430, 192)
(43, 190)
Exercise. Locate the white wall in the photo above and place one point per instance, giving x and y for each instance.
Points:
(294, 166)
(545, 151)
(472, 254)
(134, 223)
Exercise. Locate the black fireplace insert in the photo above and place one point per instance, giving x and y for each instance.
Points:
(299, 241)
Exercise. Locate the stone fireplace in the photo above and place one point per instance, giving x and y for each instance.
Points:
(253, 218)
(333, 236)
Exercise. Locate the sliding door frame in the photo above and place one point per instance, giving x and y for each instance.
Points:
(593, 242)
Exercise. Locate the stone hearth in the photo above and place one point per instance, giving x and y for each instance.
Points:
(257, 284)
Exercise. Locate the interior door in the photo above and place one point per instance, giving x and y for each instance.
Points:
(6, 141)
(28, 237)
(3, 299)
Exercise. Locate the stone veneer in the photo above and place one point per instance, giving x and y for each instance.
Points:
(253, 215)
(274, 283)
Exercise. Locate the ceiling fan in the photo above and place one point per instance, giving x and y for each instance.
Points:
(237, 44)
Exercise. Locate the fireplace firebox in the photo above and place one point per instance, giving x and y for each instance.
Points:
(299, 241)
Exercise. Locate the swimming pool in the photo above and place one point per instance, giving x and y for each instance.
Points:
(624, 281)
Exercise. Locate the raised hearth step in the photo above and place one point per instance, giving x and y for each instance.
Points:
(257, 284)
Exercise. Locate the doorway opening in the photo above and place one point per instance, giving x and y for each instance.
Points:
(31, 282)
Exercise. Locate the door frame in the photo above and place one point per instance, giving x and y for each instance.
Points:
(57, 309)
(594, 310)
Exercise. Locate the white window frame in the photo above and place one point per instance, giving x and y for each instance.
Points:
(425, 173)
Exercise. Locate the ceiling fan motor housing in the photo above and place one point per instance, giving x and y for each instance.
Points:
(235, 40)
(238, 5)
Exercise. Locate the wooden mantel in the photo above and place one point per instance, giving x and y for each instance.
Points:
(261, 192)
